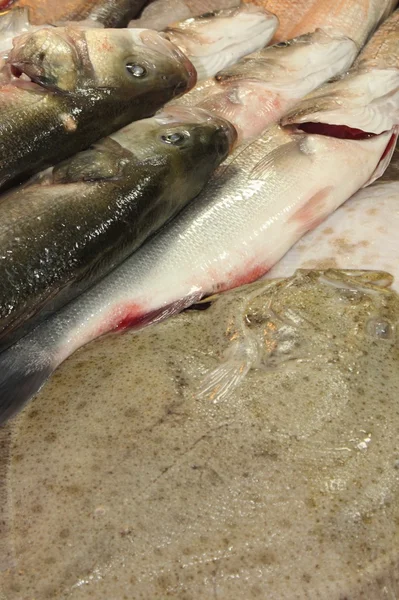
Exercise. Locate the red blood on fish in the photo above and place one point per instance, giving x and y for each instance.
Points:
(342, 132)
(4, 4)
(135, 318)
(246, 275)
(391, 143)
(311, 214)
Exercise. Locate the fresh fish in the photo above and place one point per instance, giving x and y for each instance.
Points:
(366, 100)
(356, 19)
(161, 13)
(361, 234)
(82, 85)
(90, 212)
(217, 40)
(251, 213)
(262, 87)
(115, 13)
(297, 470)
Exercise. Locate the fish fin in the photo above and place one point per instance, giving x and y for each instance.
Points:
(265, 167)
(385, 159)
(177, 307)
(24, 368)
(239, 358)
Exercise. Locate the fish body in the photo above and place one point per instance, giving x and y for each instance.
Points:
(82, 218)
(217, 40)
(111, 14)
(361, 234)
(356, 19)
(82, 85)
(251, 213)
(262, 87)
(162, 13)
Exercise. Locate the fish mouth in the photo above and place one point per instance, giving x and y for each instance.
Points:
(159, 43)
(22, 77)
(174, 115)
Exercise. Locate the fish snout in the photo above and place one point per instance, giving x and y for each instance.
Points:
(157, 42)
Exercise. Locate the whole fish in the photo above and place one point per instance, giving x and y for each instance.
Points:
(262, 87)
(71, 87)
(366, 100)
(356, 19)
(86, 215)
(251, 213)
(115, 13)
(217, 40)
(161, 13)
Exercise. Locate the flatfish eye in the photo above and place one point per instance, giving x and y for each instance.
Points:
(207, 15)
(282, 44)
(136, 70)
(380, 328)
(173, 138)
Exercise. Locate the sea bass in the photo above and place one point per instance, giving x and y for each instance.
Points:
(217, 40)
(250, 214)
(82, 85)
(115, 13)
(86, 215)
(366, 100)
(161, 13)
(356, 19)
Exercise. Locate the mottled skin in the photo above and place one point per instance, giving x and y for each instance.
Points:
(111, 13)
(83, 91)
(60, 235)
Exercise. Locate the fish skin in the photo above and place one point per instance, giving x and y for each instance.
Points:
(115, 13)
(268, 83)
(161, 13)
(367, 98)
(83, 92)
(216, 41)
(269, 194)
(356, 19)
(61, 234)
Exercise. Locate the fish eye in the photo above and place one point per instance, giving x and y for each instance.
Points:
(136, 70)
(208, 15)
(174, 138)
(282, 44)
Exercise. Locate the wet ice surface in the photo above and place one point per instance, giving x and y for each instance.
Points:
(124, 485)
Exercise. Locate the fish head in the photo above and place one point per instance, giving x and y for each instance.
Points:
(187, 144)
(219, 38)
(126, 64)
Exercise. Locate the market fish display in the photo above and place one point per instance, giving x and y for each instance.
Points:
(217, 40)
(262, 87)
(86, 215)
(71, 87)
(115, 13)
(364, 102)
(356, 19)
(250, 214)
(161, 13)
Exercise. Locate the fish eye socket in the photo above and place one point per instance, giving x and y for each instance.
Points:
(175, 139)
(207, 15)
(136, 70)
(282, 44)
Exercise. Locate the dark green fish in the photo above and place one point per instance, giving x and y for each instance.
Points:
(77, 221)
(69, 87)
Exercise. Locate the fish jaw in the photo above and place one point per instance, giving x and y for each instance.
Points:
(221, 39)
(283, 76)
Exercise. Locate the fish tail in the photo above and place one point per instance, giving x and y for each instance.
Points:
(24, 368)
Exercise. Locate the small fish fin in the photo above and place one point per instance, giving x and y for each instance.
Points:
(177, 307)
(385, 159)
(239, 358)
(103, 161)
(265, 168)
(24, 368)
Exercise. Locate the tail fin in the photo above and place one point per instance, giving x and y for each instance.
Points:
(24, 368)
